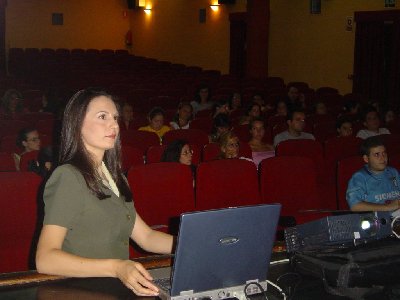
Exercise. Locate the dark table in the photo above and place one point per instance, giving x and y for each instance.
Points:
(31, 285)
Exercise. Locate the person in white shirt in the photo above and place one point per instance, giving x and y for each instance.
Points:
(372, 123)
(296, 123)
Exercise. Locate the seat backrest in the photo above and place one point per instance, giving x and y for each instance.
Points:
(7, 163)
(139, 139)
(192, 136)
(205, 124)
(210, 152)
(307, 148)
(18, 202)
(162, 191)
(8, 144)
(291, 181)
(392, 143)
(225, 183)
(338, 148)
(346, 167)
(394, 161)
(131, 156)
(26, 160)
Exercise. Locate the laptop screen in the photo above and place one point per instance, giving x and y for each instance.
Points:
(224, 248)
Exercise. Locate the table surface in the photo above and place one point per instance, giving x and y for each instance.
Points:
(31, 285)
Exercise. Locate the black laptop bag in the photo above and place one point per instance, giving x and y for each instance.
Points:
(353, 271)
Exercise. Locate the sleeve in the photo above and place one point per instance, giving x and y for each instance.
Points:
(277, 140)
(64, 196)
(361, 134)
(356, 189)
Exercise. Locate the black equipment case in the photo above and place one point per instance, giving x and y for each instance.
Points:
(353, 271)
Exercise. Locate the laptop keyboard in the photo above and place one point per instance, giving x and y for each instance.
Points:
(164, 283)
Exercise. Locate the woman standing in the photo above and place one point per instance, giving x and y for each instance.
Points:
(89, 211)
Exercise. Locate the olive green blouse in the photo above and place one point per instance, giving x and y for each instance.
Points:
(96, 228)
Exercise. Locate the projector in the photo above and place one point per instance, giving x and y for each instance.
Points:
(345, 230)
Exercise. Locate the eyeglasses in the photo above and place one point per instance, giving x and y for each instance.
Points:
(35, 139)
(233, 145)
(190, 152)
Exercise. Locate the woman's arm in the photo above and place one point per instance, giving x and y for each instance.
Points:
(50, 259)
(151, 240)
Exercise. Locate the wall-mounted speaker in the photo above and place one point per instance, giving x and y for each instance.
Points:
(131, 4)
(315, 6)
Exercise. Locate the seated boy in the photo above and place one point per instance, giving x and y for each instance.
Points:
(376, 186)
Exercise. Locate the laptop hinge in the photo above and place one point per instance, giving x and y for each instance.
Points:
(186, 293)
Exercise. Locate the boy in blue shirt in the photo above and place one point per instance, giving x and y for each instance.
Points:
(376, 186)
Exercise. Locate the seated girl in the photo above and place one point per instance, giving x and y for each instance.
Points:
(28, 140)
(156, 122)
(221, 124)
(183, 116)
(260, 149)
(253, 111)
(125, 123)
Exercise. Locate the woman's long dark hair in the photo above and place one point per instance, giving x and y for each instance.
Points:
(73, 150)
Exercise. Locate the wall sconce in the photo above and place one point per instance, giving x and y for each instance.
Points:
(214, 7)
(147, 10)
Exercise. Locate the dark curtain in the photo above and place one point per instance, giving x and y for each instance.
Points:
(369, 59)
(394, 68)
(237, 59)
(3, 4)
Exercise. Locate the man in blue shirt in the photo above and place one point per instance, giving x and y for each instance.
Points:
(376, 187)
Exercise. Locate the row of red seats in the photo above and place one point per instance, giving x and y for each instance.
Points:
(162, 191)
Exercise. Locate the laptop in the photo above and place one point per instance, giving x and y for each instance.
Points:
(219, 252)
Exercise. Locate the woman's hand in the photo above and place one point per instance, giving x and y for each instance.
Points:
(136, 278)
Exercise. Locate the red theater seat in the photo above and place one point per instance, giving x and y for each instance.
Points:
(225, 183)
(291, 181)
(7, 163)
(192, 136)
(131, 156)
(18, 203)
(139, 139)
(162, 191)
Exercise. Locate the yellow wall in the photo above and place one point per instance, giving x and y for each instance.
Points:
(172, 32)
(96, 24)
(314, 48)
(303, 47)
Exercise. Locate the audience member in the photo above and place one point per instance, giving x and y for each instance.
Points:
(156, 122)
(296, 123)
(28, 140)
(50, 102)
(320, 108)
(259, 99)
(178, 151)
(376, 187)
(372, 123)
(229, 145)
(221, 107)
(221, 124)
(294, 98)
(126, 120)
(389, 116)
(344, 126)
(281, 108)
(351, 109)
(253, 111)
(260, 149)
(183, 116)
(202, 99)
(235, 102)
(89, 212)
(12, 104)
